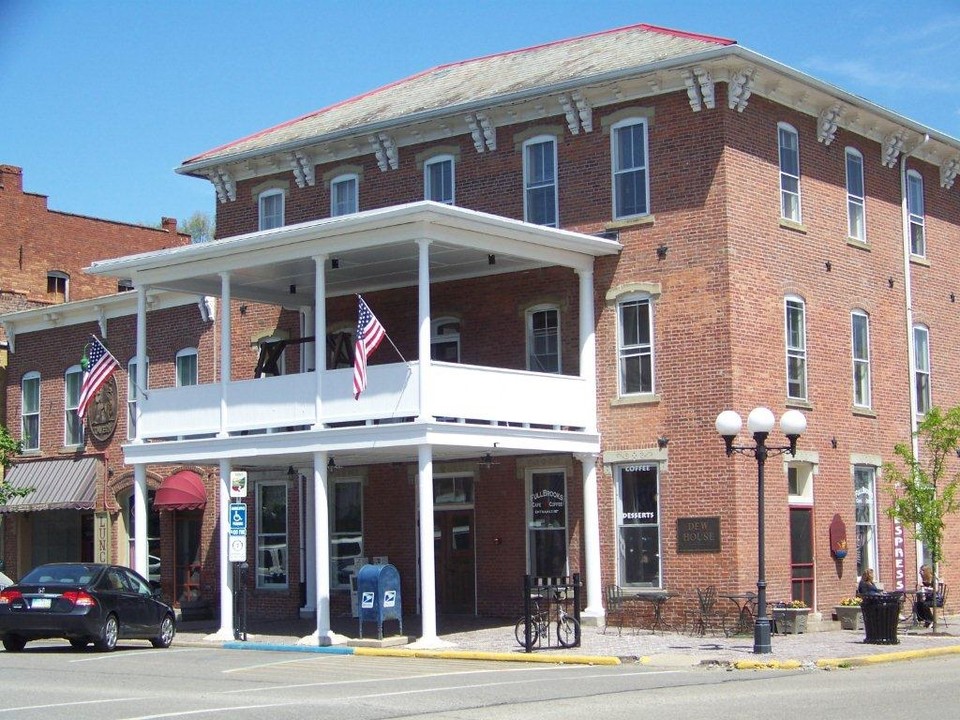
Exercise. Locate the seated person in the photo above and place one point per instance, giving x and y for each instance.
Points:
(924, 602)
(867, 586)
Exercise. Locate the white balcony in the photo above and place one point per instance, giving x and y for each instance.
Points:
(458, 393)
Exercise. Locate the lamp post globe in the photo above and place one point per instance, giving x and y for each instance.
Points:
(760, 420)
(793, 423)
(728, 423)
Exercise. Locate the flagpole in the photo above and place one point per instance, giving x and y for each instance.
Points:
(386, 334)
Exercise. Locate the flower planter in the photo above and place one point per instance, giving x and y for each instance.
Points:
(849, 616)
(790, 621)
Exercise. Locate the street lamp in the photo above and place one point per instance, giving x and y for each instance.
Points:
(760, 422)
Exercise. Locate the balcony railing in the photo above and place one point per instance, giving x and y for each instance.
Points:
(457, 393)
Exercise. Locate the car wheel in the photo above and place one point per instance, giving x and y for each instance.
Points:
(13, 643)
(78, 643)
(108, 634)
(165, 636)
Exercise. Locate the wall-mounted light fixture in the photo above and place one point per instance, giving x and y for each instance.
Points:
(833, 443)
(335, 263)
(487, 461)
(662, 252)
(243, 309)
(890, 282)
(293, 289)
(291, 472)
(662, 442)
(491, 259)
(332, 465)
(828, 265)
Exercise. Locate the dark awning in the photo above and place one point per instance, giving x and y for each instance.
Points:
(181, 491)
(69, 484)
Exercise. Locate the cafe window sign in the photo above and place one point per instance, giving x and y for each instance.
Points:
(547, 523)
(638, 526)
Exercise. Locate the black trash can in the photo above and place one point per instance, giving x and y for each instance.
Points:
(881, 613)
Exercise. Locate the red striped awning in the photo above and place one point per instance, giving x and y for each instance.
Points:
(181, 491)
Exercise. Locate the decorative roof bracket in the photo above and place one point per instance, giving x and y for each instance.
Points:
(699, 88)
(578, 111)
(949, 171)
(386, 151)
(740, 88)
(483, 132)
(827, 123)
(892, 147)
(223, 182)
(302, 166)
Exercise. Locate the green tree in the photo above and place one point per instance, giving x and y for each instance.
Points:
(199, 226)
(922, 491)
(9, 448)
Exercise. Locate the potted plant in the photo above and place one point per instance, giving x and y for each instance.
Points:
(848, 613)
(790, 617)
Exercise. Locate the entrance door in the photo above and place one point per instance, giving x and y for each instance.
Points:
(454, 557)
(187, 557)
(801, 554)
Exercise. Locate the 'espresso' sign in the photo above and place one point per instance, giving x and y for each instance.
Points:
(699, 534)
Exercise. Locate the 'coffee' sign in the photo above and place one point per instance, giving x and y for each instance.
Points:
(698, 534)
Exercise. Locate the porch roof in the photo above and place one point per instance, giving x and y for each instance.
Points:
(375, 249)
(57, 485)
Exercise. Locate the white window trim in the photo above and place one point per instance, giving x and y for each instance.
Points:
(436, 338)
(915, 218)
(537, 140)
(132, 395)
(186, 352)
(69, 409)
(874, 545)
(528, 511)
(437, 160)
(799, 351)
(60, 275)
(260, 534)
(261, 217)
(922, 368)
(621, 301)
(340, 180)
(32, 375)
(865, 361)
(614, 170)
(529, 315)
(782, 126)
(853, 198)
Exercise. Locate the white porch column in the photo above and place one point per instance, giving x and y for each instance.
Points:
(225, 359)
(141, 378)
(226, 575)
(588, 342)
(423, 342)
(308, 357)
(320, 337)
(591, 536)
(428, 580)
(140, 542)
(309, 563)
(323, 634)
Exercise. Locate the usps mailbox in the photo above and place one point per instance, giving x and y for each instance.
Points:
(378, 595)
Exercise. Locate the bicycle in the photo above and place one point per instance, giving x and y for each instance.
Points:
(568, 627)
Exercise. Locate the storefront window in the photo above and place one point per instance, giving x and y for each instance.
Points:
(547, 523)
(346, 530)
(638, 525)
(272, 535)
(863, 495)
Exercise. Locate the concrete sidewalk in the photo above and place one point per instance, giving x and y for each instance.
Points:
(824, 645)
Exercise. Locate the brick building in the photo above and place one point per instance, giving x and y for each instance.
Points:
(51, 307)
(582, 252)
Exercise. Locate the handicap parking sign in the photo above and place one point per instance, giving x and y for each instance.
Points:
(238, 516)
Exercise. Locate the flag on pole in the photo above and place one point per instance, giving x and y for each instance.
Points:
(98, 365)
(369, 335)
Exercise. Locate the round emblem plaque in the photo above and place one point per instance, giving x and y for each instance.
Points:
(102, 418)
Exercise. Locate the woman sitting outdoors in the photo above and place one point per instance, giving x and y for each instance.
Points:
(867, 586)
(924, 597)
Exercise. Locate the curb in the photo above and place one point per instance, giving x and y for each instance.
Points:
(494, 656)
(863, 660)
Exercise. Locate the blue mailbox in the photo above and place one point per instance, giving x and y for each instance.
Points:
(378, 596)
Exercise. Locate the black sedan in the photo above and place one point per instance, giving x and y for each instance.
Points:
(83, 603)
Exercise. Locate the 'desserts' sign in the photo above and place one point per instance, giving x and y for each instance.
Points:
(698, 534)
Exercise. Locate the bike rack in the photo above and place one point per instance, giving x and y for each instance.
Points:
(549, 592)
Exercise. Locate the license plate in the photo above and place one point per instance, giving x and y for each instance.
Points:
(40, 604)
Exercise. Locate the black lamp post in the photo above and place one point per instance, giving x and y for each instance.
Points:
(760, 422)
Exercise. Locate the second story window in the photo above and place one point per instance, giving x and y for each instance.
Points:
(795, 329)
(30, 411)
(918, 245)
(921, 368)
(540, 180)
(132, 396)
(72, 426)
(856, 225)
(58, 286)
(438, 179)
(271, 206)
(344, 198)
(635, 345)
(543, 339)
(860, 339)
(631, 189)
(445, 340)
(789, 145)
(187, 373)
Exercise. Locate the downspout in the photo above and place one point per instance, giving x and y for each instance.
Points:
(908, 309)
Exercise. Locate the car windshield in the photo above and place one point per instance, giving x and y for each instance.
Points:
(65, 574)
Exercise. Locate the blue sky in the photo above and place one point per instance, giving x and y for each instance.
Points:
(101, 99)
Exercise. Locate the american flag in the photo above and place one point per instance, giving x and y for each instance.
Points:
(100, 368)
(369, 334)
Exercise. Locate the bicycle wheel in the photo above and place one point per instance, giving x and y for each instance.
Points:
(520, 632)
(567, 631)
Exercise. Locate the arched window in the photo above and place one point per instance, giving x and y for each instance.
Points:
(271, 206)
(187, 371)
(795, 330)
(856, 221)
(72, 426)
(30, 411)
(543, 338)
(439, 179)
(445, 340)
(344, 195)
(540, 180)
(132, 395)
(628, 154)
(789, 145)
